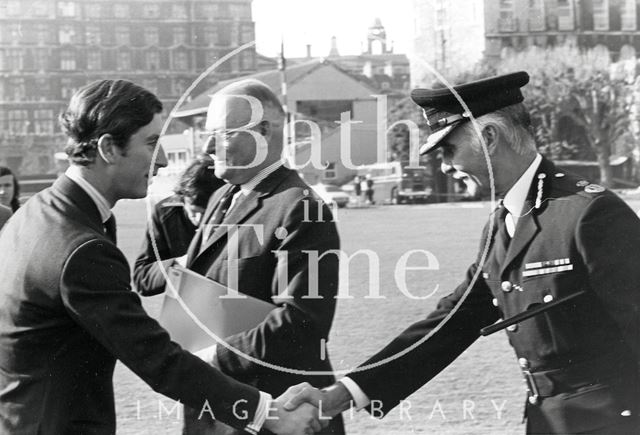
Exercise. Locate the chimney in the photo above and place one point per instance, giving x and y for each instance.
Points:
(334, 47)
(308, 51)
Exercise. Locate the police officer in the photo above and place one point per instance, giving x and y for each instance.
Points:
(558, 268)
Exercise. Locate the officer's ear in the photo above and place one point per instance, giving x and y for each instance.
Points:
(490, 136)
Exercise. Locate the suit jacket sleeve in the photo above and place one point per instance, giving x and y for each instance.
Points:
(147, 273)
(290, 335)
(398, 378)
(95, 290)
(608, 239)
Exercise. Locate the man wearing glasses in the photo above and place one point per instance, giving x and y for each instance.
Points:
(258, 236)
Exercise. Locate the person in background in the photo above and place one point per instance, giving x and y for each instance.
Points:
(5, 214)
(9, 189)
(369, 189)
(173, 223)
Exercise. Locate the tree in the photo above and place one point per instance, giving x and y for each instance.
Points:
(573, 91)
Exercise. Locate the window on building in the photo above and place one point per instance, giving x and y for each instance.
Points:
(152, 60)
(67, 34)
(629, 15)
(600, 14)
(18, 122)
(180, 60)
(207, 11)
(43, 121)
(15, 60)
(94, 60)
(123, 35)
(150, 85)
(42, 34)
(123, 61)
(92, 35)
(179, 86)
(67, 88)
(179, 12)
(40, 9)
(151, 35)
(17, 89)
(179, 35)
(121, 10)
(41, 60)
(224, 34)
(151, 10)
(43, 89)
(67, 9)
(507, 16)
(210, 34)
(67, 60)
(330, 171)
(246, 34)
(566, 21)
(536, 15)
(13, 8)
(93, 10)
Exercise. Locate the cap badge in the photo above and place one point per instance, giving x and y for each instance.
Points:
(582, 183)
(594, 188)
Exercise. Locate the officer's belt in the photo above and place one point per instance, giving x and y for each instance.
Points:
(551, 382)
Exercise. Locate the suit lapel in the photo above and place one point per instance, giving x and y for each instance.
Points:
(528, 226)
(526, 230)
(240, 211)
(71, 191)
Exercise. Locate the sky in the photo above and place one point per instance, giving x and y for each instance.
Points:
(302, 22)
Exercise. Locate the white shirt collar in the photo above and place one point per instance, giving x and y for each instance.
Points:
(247, 187)
(517, 195)
(75, 174)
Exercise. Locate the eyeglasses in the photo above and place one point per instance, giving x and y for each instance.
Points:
(224, 135)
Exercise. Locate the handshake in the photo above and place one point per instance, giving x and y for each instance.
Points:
(305, 410)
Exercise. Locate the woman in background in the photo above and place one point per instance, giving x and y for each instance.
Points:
(173, 224)
(9, 189)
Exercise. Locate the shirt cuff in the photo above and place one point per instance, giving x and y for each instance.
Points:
(209, 355)
(260, 415)
(360, 399)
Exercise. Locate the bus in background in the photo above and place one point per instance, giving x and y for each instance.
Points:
(394, 183)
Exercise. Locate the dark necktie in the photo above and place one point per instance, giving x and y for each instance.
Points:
(218, 215)
(223, 207)
(502, 238)
(110, 228)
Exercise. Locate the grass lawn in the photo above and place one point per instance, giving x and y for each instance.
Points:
(481, 393)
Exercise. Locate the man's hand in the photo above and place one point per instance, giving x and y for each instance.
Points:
(330, 401)
(301, 420)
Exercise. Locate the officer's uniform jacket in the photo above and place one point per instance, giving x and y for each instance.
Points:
(581, 357)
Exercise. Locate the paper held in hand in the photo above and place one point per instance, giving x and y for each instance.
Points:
(208, 302)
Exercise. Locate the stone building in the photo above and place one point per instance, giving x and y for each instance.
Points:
(50, 48)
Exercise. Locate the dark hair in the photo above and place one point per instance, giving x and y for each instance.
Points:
(115, 107)
(15, 201)
(198, 181)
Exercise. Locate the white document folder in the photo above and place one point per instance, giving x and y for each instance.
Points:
(203, 297)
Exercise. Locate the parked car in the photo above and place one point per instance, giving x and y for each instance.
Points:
(331, 194)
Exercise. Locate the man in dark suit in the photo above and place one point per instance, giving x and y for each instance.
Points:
(558, 262)
(67, 312)
(282, 227)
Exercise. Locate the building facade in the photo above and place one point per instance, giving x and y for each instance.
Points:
(513, 25)
(448, 38)
(50, 48)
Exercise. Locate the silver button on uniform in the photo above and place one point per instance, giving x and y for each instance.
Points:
(547, 299)
(506, 286)
(495, 302)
